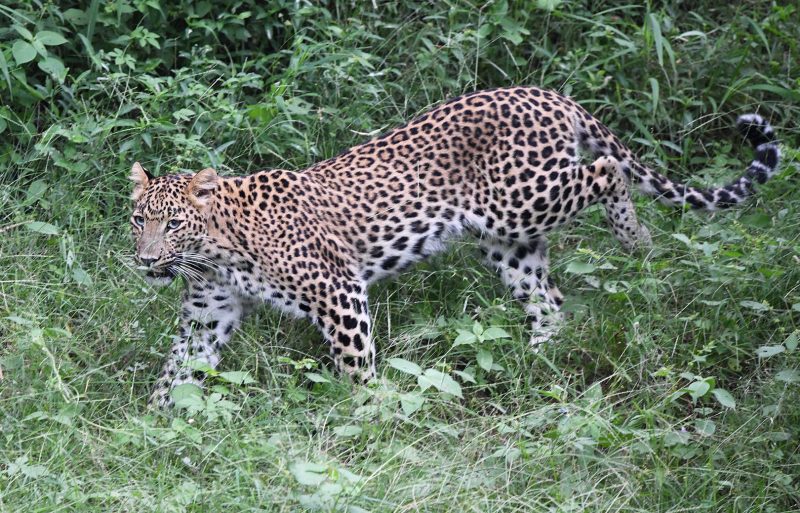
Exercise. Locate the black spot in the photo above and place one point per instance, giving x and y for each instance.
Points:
(359, 345)
(400, 244)
(349, 322)
(390, 262)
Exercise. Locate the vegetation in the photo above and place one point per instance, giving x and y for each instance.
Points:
(673, 387)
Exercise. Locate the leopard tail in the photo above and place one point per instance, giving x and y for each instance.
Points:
(599, 141)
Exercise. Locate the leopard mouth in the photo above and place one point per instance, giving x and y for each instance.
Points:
(160, 276)
(167, 272)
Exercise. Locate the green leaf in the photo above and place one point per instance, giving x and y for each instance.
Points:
(54, 67)
(43, 228)
(76, 16)
(594, 393)
(705, 427)
(309, 474)
(683, 238)
(22, 31)
(237, 377)
(200, 365)
(19, 320)
(788, 376)
(769, 351)
(183, 114)
(789, 94)
(466, 377)
(66, 414)
(317, 378)
(349, 431)
(791, 342)
(187, 394)
(548, 5)
(411, 402)
(759, 220)
(49, 38)
(724, 398)
(698, 389)
(485, 360)
(755, 305)
(20, 465)
(493, 333)
(192, 433)
(35, 192)
(40, 48)
(81, 277)
(465, 338)
(7, 76)
(405, 366)
(23, 51)
(777, 436)
(440, 381)
(485, 31)
(658, 39)
(580, 268)
(654, 90)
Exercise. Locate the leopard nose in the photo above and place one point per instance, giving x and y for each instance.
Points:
(147, 261)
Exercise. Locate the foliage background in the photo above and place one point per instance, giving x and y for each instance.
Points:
(673, 387)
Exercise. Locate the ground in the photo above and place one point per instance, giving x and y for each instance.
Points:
(673, 386)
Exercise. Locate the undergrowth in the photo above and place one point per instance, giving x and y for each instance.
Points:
(672, 387)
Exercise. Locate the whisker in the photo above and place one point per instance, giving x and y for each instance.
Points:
(201, 260)
(208, 263)
(189, 275)
(189, 271)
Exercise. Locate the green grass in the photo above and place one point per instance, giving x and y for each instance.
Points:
(674, 385)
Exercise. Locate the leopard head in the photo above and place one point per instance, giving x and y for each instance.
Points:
(170, 220)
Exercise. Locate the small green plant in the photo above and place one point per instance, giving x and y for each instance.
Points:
(700, 387)
(430, 378)
(482, 341)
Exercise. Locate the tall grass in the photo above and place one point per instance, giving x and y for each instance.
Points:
(672, 387)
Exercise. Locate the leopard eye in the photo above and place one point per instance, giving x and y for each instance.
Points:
(138, 220)
(173, 223)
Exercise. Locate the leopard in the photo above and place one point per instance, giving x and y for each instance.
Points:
(504, 167)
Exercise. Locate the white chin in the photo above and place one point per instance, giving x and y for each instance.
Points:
(159, 281)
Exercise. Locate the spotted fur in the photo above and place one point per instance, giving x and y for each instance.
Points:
(502, 165)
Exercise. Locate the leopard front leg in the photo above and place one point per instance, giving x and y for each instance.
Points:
(348, 332)
(209, 315)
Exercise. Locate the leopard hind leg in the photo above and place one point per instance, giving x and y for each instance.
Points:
(608, 186)
(524, 268)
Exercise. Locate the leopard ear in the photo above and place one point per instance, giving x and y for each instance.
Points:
(140, 178)
(201, 187)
